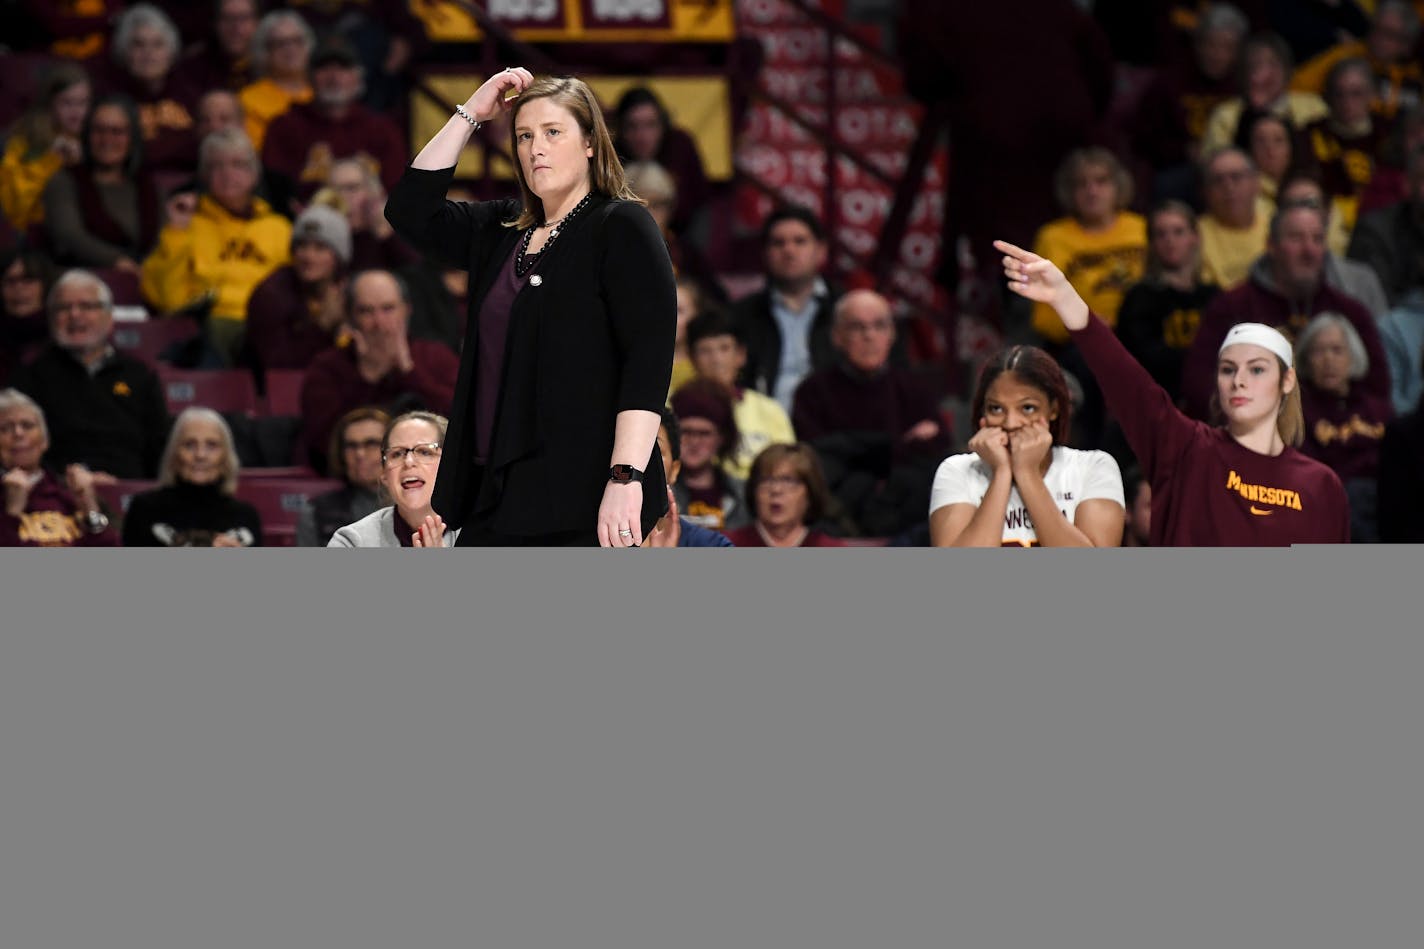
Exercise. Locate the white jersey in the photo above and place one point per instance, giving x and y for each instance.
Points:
(1073, 476)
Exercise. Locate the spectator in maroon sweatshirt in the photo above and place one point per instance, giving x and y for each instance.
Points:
(302, 143)
(1286, 287)
(375, 363)
(876, 429)
(1343, 423)
(1238, 484)
(1171, 117)
(146, 45)
(294, 314)
(222, 59)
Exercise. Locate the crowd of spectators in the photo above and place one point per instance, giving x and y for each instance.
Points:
(227, 164)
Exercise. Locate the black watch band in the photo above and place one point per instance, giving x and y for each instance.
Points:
(624, 474)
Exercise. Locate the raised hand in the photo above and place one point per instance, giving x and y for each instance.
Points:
(180, 209)
(668, 531)
(80, 481)
(431, 532)
(18, 485)
(490, 100)
(992, 445)
(1040, 280)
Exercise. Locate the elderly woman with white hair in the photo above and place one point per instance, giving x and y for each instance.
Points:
(1343, 423)
(42, 508)
(195, 504)
(145, 49)
(193, 264)
(281, 59)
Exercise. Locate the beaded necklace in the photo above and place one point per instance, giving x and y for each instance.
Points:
(525, 261)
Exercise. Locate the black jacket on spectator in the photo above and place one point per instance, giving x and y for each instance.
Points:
(1401, 472)
(115, 420)
(189, 515)
(763, 338)
(1391, 241)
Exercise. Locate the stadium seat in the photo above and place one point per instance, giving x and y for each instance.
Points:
(115, 497)
(280, 501)
(283, 391)
(229, 391)
(123, 284)
(147, 340)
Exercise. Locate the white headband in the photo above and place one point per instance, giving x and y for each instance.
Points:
(1259, 334)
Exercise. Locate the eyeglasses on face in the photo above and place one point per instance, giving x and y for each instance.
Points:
(780, 481)
(424, 454)
(84, 306)
(369, 444)
(17, 425)
(866, 328)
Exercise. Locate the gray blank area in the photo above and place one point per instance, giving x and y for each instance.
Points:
(862, 749)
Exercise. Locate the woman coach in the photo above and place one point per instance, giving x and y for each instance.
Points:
(568, 348)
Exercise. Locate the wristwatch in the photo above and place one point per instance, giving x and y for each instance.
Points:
(96, 521)
(624, 474)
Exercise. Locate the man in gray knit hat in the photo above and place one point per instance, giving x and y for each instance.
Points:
(295, 312)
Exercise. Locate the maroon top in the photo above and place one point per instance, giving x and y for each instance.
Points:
(334, 386)
(48, 520)
(749, 536)
(369, 252)
(302, 143)
(280, 330)
(1344, 433)
(1208, 490)
(489, 357)
(841, 399)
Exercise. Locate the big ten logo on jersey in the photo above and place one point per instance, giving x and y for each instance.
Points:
(240, 248)
(1180, 328)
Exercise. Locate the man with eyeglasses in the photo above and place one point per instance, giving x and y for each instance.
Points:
(875, 426)
(375, 362)
(105, 410)
(1233, 229)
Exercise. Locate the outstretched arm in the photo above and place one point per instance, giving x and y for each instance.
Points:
(1034, 278)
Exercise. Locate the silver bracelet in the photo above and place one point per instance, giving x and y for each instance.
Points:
(460, 111)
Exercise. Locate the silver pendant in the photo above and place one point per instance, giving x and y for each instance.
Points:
(536, 280)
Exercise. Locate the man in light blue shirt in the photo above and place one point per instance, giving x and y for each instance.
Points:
(787, 325)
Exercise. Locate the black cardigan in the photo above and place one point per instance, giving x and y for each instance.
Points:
(593, 339)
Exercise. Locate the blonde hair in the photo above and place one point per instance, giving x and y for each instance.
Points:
(1290, 418)
(606, 175)
(650, 181)
(1080, 159)
(439, 422)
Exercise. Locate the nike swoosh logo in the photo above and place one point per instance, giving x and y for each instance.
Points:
(1260, 513)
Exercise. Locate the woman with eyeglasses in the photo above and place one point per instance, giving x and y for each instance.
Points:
(355, 458)
(788, 497)
(410, 458)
